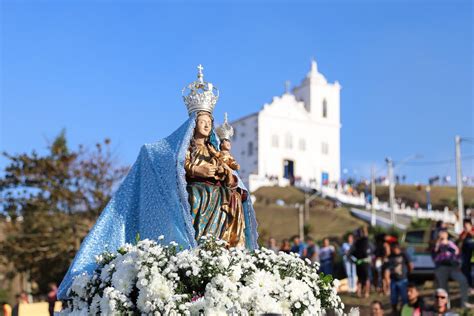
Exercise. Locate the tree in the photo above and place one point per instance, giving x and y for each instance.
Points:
(49, 202)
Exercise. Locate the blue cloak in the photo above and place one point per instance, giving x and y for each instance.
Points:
(151, 201)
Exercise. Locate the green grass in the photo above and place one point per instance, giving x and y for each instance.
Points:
(282, 222)
(441, 196)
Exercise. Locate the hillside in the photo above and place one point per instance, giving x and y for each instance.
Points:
(282, 221)
(277, 214)
(441, 196)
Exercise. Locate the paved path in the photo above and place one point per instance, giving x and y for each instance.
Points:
(382, 218)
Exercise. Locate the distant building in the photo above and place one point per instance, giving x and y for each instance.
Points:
(294, 139)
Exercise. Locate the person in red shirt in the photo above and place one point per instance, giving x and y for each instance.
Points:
(466, 242)
(52, 297)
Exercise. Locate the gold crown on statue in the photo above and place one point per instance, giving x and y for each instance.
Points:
(200, 95)
(225, 131)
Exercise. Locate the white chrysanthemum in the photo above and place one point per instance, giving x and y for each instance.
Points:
(223, 261)
(124, 277)
(106, 271)
(299, 290)
(94, 308)
(108, 304)
(79, 285)
(241, 282)
(235, 273)
(245, 295)
(196, 306)
(159, 288)
(267, 304)
(215, 311)
(262, 280)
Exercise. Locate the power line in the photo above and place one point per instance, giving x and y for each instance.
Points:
(437, 162)
(467, 139)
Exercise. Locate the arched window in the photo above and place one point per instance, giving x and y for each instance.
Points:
(302, 144)
(324, 148)
(288, 141)
(325, 108)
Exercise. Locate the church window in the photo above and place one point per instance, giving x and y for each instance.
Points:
(288, 141)
(250, 149)
(275, 140)
(324, 148)
(325, 108)
(302, 144)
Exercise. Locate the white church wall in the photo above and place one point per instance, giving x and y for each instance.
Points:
(286, 120)
(245, 145)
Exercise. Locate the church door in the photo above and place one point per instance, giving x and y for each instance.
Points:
(289, 171)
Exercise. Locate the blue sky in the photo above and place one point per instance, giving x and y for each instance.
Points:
(115, 69)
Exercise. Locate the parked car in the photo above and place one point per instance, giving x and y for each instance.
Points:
(418, 244)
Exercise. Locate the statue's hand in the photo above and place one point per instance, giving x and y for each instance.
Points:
(205, 171)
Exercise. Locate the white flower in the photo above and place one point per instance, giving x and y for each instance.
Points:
(241, 282)
(159, 288)
(106, 270)
(125, 275)
(79, 285)
(108, 303)
(235, 273)
(262, 280)
(95, 305)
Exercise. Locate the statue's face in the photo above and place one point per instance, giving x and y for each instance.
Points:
(225, 145)
(203, 125)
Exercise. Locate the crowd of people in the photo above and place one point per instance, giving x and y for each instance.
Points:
(381, 263)
(415, 305)
(375, 262)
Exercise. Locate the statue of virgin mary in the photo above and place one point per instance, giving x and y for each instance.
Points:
(179, 188)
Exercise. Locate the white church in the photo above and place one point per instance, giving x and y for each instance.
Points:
(295, 139)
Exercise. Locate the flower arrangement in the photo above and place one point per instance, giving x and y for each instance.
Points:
(150, 278)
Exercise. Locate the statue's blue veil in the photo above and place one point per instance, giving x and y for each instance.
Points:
(151, 201)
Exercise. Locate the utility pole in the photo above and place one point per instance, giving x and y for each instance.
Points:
(307, 203)
(391, 190)
(301, 221)
(459, 180)
(306, 207)
(428, 197)
(372, 193)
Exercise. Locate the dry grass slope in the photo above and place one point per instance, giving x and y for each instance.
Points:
(440, 195)
(282, 221)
